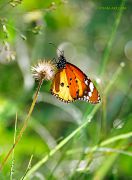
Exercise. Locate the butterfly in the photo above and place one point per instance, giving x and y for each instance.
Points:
(70, 83)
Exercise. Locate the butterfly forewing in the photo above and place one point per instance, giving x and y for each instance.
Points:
(79, 78)
(72, 82)
(90, 94)
(86, 88)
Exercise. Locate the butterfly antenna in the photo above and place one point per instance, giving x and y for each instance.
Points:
(62, 52)
(54, 60)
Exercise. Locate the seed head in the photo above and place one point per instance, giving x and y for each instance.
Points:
(43, 70)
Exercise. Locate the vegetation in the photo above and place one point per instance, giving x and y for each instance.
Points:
(54, 140)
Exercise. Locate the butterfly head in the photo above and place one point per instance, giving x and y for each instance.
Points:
(62, 61)
(61, 58)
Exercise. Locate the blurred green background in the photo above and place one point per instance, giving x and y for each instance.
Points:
(84, 30)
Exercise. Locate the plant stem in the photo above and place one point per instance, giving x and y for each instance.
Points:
(23, 127)
(103, 121)
(12, 165)
(116, 138)
(28, 167)
(110, 42)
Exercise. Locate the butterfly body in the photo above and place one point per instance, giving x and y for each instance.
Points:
(62, 62)
(70, 84)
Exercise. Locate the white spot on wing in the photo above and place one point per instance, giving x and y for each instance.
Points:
(91, 87)
(87, 98)
(90, 94)
(86, 82)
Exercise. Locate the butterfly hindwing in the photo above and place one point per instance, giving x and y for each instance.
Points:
(60, 87)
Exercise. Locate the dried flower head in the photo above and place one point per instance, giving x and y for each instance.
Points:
(43, 70)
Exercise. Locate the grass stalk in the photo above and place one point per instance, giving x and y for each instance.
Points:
(88, 119)
(106, 149)
(111, 40)
(112, 140)
(12, 165)
(116, 138)
(28, 167)
(103, 121)
(23, 127)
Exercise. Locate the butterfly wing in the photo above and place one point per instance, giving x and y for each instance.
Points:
(70, 84)
(86, 89)
(60, 86)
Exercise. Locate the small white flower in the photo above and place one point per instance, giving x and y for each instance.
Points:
(43, 70)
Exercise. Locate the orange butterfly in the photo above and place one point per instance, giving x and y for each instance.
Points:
(70, 84)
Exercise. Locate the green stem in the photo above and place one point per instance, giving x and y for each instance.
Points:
(112, 140)
(103, 121)
(116, 138)
(12, 165)
(28, 167)
(111, 40)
